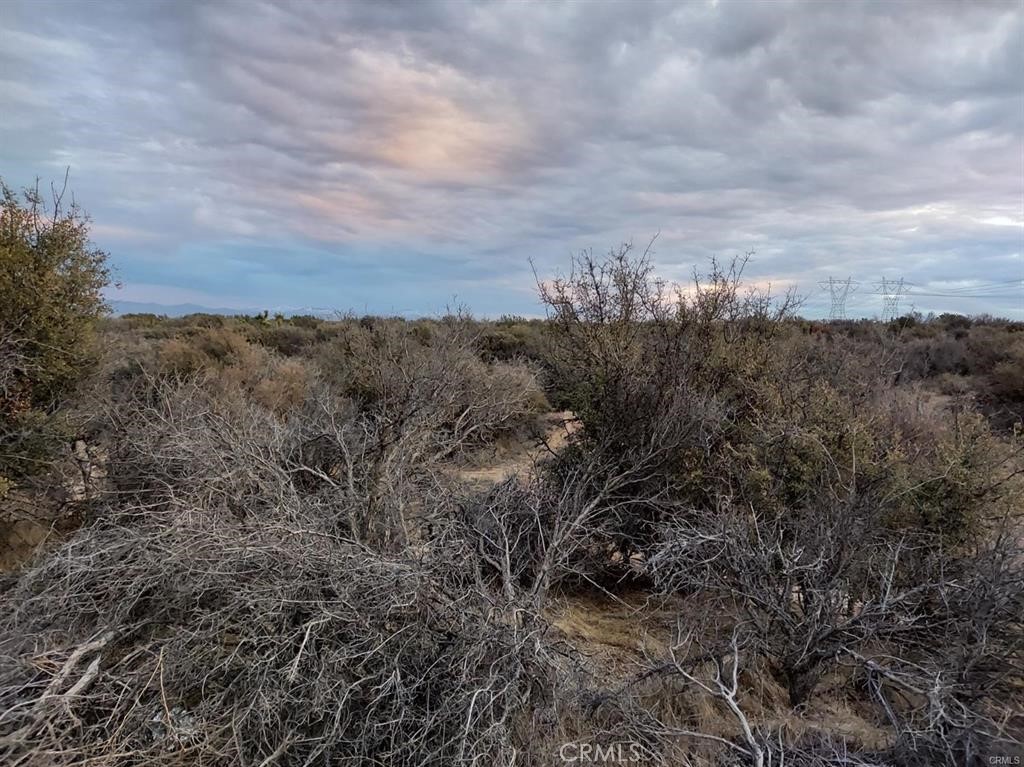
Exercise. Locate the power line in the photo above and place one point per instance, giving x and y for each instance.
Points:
(984, 290)
(965, 295)
(979, 286)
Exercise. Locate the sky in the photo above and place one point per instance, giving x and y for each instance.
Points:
(402, 157)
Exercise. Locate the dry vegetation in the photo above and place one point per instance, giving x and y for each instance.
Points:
(758, 540)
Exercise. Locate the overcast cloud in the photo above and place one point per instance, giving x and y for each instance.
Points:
(387, 157)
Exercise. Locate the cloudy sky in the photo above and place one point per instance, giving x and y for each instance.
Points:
(396, 157)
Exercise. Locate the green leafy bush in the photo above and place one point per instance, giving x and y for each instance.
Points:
(51, 278)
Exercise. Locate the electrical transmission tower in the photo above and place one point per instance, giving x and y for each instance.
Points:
(839, 290)
(891, 292)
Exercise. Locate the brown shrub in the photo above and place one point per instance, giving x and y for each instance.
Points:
(228, 360)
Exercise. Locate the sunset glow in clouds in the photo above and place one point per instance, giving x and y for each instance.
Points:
(389, 157)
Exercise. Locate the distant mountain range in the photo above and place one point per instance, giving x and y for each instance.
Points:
(180, 310)
(119, 308)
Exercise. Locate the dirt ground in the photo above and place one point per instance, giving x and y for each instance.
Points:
(516, 456)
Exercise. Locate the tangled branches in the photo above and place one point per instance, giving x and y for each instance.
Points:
(228, 643)
(255, 589)
(933, 635)
(282, 566)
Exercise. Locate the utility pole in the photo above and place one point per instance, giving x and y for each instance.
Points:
(839, 290)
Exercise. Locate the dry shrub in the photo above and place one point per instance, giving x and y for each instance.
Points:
(929, 619)
(247, 595)
(207, 641)
(286, 338)
(284, 572)
(178, 357)
(250, 429)
(668, 383)
(178, 442)
(228, 361)
(717, 399)
(431, 377)
(214, 348)
(1007, 378)
(795, 488)
(181, 446)
(285, 388)
(986, 355)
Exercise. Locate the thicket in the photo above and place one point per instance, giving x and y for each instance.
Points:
(789, 483)
(980, 358)
(279, 563)
(256, 583)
